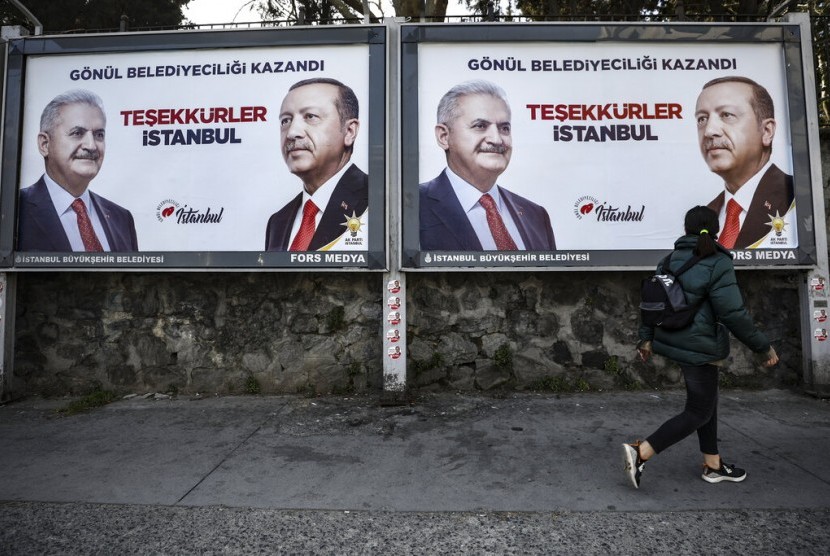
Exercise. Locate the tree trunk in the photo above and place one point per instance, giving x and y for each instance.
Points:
(552, 10)
(436, 9)
(407, 8)
(747, 9)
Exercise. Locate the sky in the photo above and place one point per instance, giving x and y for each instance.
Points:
(202, 12)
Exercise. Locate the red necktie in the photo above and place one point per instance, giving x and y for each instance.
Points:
(303, 237)
(88, 236)
(732, 225)
(503, 240)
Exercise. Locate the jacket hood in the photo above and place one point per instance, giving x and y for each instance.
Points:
(689, 241)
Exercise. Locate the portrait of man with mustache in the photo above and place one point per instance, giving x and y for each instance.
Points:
(735, 126)
(464, 209)
(319, 122)
(59, 212)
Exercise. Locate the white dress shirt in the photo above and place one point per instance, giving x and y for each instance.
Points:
(469, 198)
(63, 200)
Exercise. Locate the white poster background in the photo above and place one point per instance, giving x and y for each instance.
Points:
(667, 176)
(249, 180)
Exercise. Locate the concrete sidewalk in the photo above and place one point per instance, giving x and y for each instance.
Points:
(447, 456)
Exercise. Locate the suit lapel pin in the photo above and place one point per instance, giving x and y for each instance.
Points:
(768, 205)
(344, 206)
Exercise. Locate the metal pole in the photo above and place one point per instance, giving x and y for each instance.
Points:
(367, 13)
(813, 290)
(394, 284)
(8, 281)
(29, 15)
(8, 287)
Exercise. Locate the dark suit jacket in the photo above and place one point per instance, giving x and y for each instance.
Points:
(350, 195)
(39, 227)
(445, 226)
(774, 193)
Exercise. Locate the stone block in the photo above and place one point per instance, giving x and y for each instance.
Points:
(489, 376)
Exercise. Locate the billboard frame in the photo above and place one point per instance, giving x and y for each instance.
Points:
(375, 258)
(788, 35)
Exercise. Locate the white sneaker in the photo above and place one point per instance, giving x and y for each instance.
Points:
(633, 464)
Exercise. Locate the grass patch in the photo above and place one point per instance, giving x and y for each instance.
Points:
(354, 369)
(504, 358)
(336, 318)
(582, 385)
(621, 377)
(560, 385)
(726, 380)
(434, 362)
(556, 384)
(96, 398)
(252, 386)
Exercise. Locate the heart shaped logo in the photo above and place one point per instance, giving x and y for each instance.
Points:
(165, 209)
(586, 208)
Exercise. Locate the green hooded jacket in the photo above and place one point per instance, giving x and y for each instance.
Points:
(706, 340)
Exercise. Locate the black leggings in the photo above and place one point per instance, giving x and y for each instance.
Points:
(700, 413)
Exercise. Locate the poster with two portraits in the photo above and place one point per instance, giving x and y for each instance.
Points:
(611, 140)
(196, 148)
(602, 159)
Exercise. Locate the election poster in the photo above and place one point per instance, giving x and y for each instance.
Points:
(595, 150)
(193, 157)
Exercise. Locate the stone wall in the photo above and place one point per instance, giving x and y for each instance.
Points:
(568, 331)
(198, 332)
(302, 333)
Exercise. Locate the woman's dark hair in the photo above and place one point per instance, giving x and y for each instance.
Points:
(703, 223)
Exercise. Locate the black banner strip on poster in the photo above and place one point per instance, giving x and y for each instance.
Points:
(213, 260)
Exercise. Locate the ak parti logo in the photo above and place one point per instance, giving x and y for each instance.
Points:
(585, 205)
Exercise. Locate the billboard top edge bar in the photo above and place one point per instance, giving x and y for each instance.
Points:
(170, 39)
(611, 31)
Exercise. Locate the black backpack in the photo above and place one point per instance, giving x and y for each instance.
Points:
(663, 301)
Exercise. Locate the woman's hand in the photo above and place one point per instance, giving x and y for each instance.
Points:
(772, 358)
(644, 349)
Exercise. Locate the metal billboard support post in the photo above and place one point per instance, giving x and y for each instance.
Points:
(5, 370)
(393, 326)
(8, 282)
(813, 296)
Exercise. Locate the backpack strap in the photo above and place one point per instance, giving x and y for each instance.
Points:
(664, 265)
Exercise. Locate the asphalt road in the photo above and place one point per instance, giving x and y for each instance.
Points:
(445, 474)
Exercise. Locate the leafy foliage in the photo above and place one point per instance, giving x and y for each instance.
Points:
(319, 11)
(697, 10)
(331, 11)
(96, 398)
(62, 16)
(821, 55)
(660, 10)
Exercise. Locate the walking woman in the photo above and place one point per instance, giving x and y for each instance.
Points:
(699, 348)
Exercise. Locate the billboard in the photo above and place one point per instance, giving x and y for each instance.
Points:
(592, 141)
(197, 149)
